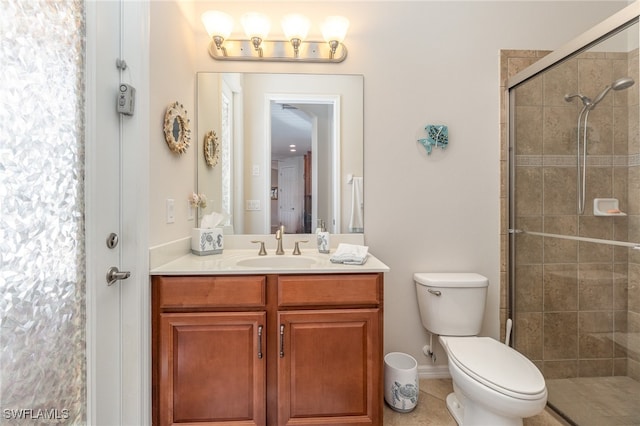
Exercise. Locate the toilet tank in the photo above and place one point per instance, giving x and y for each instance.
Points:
(451, 304)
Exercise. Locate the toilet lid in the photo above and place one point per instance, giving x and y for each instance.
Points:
(496, 365)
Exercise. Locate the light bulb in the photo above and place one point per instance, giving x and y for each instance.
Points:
(295, 25)
(217, 23)
(296, 28)
(256, 25)
(334, 28)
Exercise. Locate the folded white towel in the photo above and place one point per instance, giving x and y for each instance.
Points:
(350, 254)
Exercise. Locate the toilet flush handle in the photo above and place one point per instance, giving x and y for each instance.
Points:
(436, 292)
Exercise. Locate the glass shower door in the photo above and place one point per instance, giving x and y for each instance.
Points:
(575, 272)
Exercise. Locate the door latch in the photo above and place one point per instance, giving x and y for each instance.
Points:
(114, 274)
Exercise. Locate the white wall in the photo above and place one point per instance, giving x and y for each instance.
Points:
(423, 62)
(171, 78)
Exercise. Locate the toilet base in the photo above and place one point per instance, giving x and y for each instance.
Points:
(477, 415)
(454, 407)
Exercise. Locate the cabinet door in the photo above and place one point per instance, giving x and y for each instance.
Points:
(212, 368)
(329, 368)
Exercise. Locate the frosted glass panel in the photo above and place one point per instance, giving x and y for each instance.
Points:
(42, 255)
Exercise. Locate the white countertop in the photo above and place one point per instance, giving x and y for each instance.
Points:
(226, 264)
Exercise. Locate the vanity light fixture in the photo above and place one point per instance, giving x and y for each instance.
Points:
(295, 48)
(219, 26)
(256, 27)
(334, 29)
(296, 28)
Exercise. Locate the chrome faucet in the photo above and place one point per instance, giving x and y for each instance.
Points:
(279, 235)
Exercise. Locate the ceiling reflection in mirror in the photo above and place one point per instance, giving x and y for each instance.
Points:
(288, 145)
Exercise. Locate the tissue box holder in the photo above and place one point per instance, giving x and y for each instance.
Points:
(206, 241)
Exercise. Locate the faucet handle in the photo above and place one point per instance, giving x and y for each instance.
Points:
(296, 249)
(262, 251)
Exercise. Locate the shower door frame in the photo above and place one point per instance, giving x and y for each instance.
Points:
(612, 25)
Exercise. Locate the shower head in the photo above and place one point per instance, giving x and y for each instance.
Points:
(619, 84)
(622, 83)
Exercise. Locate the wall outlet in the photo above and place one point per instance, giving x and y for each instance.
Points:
(252, 205)
(171, 211)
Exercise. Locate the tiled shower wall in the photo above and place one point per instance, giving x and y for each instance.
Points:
(576, 304)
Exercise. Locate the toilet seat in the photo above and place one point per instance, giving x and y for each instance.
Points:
(496, 366)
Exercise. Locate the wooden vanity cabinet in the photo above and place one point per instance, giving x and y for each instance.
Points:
(330, 353)
(208, 350)
(320, 339)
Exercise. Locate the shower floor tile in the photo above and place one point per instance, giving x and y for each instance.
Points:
(597, 401)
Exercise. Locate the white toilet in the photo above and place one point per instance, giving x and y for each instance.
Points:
(493, 384)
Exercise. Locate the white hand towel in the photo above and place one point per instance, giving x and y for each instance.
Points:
(356, 224)
(350, 254)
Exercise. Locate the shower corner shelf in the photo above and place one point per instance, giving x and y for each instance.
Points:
(607, 207)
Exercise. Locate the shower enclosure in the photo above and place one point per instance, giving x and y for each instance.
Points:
(573, 233)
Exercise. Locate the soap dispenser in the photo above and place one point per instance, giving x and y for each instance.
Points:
(322, 237)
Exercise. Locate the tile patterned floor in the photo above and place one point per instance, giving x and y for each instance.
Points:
(597, 401)
(432, 409)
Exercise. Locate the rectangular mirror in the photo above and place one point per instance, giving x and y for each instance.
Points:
(281, 149)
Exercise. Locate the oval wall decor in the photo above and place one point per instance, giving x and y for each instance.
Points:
(211, 148)
(176, 128)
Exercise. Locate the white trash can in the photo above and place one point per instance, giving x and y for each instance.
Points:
(401, 386)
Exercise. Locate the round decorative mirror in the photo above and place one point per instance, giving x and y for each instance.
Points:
(176, 128)
(211, 148)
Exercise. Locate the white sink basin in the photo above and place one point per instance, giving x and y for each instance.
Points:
(277, 262)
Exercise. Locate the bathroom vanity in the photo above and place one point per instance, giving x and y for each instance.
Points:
(297, 340)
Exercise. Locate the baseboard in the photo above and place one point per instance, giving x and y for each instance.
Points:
(433, 372)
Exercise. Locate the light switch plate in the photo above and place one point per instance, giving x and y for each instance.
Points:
(171, 211)
(252, 205)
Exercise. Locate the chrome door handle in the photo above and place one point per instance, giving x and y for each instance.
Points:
(114, 274)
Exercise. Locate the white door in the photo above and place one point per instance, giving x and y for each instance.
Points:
(118, 315)
(290, 194)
